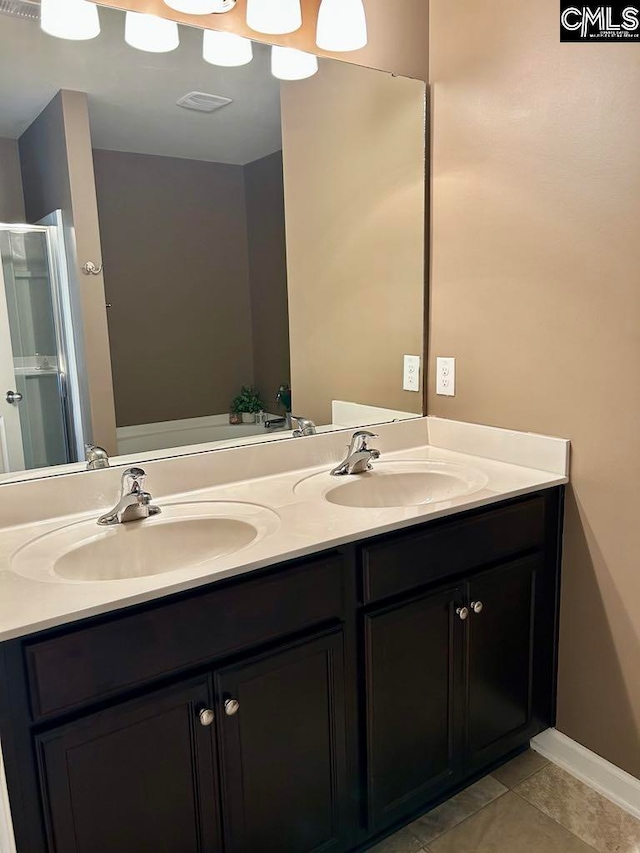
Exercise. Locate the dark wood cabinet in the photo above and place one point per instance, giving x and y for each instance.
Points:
(283, 750)
(143, 776)
(137, 777)
(347, 692)
(451, 684)
(413, 703)
(110, 656)
(500, 656)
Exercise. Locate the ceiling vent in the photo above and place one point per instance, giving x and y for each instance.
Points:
(20, 9)
(200, 101)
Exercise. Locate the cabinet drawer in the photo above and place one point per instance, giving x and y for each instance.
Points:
(404, 561)
(102, 660)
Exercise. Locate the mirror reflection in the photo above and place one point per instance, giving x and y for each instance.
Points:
(194, 253)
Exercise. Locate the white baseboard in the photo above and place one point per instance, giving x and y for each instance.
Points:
(615, 784)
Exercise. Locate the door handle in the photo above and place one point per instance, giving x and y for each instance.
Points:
(13, 397)
(231, 707)
(206, 717)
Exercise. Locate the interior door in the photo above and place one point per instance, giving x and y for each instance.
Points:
(38, 364)
(11, 452)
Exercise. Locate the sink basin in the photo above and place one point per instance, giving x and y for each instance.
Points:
(183, 536)
(395, 484)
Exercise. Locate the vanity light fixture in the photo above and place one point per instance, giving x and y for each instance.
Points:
(342, 25)
(201, 7)
(287, 63)
(226, 49)
(150, 33)
(274, 17)
(70, 19)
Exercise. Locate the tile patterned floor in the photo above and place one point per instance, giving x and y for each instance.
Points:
(526, 806)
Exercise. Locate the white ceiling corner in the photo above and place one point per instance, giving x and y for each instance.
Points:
(132, 94)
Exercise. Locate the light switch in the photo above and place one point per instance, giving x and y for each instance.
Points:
(446, 377)
(411, 380)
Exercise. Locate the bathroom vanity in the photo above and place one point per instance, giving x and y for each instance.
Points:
(308, 704)
(279, 660)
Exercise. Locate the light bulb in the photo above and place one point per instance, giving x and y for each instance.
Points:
(201, 7)
(274, 17)
(150, 33)
(226, 49)
(70, 19)
(342, 25)
(287, 63)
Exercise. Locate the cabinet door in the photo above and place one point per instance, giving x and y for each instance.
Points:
(136, 777)
(413, 706)
(283, 755)
(500, 658)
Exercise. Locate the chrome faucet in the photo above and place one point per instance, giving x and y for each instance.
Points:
(360, 455)
(97, 457)
(134, 503)
(305, 426)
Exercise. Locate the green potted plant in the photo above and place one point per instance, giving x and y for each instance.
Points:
(247, 404)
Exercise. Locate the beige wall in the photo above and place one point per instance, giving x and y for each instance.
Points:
(11, 197)
(177, 278)
(535, 291)
(57, 173)
(264, 193)
(353, 146)
(398, 31)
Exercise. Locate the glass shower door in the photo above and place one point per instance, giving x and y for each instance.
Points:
(38, 391)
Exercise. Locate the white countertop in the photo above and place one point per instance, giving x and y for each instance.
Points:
(306, 525)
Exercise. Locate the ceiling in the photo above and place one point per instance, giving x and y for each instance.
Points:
(133, 94)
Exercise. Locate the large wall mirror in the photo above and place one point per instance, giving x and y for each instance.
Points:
(194, 255)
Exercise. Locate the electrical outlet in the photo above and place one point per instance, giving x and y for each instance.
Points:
(446, 377)
(411, 380)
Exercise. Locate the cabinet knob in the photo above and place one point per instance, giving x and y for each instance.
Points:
(231, 707)
(477, 606)
(462, 612)
(206, 716)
